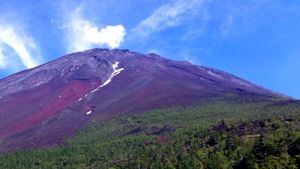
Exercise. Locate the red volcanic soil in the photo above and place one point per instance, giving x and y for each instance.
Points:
(43, 106)
(39, 104)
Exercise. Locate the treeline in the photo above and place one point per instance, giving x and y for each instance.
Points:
(257, 144)
(210, 136)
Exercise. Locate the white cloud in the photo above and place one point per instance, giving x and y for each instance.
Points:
(226, 26)
(2, 59)
(21, 44)
(170, 14)
(82, 34)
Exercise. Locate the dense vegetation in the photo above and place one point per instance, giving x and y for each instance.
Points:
(219, 134)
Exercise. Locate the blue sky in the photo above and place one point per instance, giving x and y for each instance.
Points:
(258, 40)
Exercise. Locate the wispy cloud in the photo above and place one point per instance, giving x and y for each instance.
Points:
(83, 34)
(2, 59)
(20, 43)
(226, 26)
(170, 14)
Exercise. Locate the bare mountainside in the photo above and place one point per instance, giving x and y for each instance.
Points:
(41, 107)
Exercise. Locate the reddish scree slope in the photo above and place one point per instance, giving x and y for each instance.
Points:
(41, 107)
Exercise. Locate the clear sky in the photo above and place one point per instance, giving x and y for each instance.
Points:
(258, 40)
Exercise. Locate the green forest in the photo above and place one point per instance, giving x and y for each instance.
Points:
(217, 134)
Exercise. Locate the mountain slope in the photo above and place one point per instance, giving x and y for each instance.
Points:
(210, 135)
(43, 106)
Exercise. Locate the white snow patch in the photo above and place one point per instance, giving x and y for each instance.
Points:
(115, 72)
(39, 83)
(94, 90)
(241, 82)
(214, 74)
(89, 112)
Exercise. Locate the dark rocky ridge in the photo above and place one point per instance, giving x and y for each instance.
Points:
(41, 107)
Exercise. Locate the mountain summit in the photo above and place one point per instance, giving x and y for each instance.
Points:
(41, 107)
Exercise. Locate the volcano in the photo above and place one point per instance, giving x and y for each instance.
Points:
(43, 106)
